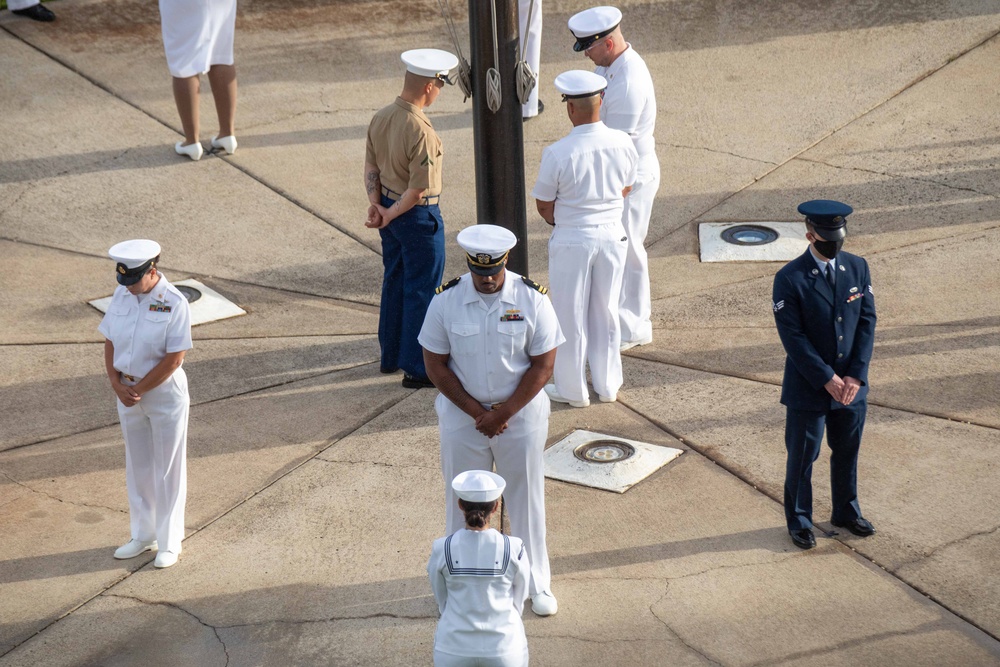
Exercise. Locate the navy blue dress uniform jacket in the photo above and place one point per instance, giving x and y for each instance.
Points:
(823, 333)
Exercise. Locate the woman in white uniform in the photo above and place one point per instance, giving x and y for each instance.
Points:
(480, 580)
(148, 330)
(198, 38)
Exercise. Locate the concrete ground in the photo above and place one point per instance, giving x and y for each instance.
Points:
(315, 490)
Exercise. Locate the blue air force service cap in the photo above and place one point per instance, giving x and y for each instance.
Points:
(828, 217)
(133, 259)
(593, 24)
(432, 63)
(486, 247)
(578, 83)
(478, 486)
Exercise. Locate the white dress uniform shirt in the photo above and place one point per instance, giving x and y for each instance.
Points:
(143, 329)
(143, 335)
(489, 345)
(585, 173)
(630, 106)
(480, 582)
(630, 101)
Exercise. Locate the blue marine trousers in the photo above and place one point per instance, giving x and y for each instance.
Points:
(413, 265)
(804, 440)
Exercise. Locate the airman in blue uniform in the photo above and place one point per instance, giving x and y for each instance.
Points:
(824, 308)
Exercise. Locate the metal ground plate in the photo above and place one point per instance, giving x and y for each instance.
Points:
(209, 307)
(562, 461)
(789, 244)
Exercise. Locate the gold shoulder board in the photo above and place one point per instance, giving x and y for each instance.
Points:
(533, 285)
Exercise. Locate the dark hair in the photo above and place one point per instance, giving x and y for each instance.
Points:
(477, 513)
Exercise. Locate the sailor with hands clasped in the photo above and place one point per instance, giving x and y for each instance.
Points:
(490, 340)
(148, 331)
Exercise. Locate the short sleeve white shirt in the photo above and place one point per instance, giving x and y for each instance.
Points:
(145, 328)
(585, 173)
(490, 345)
(630, 101)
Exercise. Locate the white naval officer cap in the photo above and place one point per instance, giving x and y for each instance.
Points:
(486, 247)
(432, 63)
(133, 259)
(593, 24)
(577, 83)
(478, 486)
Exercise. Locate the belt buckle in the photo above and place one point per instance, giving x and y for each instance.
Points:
(495, 406)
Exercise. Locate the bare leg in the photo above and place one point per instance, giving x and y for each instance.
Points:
(186, 96)
(223, 80)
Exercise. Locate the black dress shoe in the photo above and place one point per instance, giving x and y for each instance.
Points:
(36, 13)
(860, 526)
(803, 539)
(416, 382)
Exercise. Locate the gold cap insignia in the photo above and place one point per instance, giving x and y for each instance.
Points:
(121, 269)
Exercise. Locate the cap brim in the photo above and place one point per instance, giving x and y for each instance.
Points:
(490, 271)
(828, 234)
(126, 280)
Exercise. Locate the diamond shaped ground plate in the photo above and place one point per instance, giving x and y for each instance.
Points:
(562, 462)
(791, 243)
(211, 306)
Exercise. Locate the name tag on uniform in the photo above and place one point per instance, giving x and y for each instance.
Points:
(512, 316)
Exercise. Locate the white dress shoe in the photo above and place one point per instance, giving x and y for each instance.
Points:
(133, 548)
(608, 399)
(165, 559)
(544, 604)
(550, 389)
(629, 344)
(193, 151)
(227, 144)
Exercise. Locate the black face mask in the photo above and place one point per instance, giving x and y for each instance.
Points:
(828, 249)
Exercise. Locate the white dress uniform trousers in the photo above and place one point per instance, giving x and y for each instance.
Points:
(585, 173)
(489, 346)
(531, 42)
(630, 106)
(15, 5)
(143, 330)
(197, 34)
(480, 582)
(585, 278)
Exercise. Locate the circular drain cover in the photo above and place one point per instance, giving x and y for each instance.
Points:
(604, 451)
(190, 293)
(749, 235)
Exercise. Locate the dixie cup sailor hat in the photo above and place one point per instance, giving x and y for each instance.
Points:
(133, 259)
(478, 486)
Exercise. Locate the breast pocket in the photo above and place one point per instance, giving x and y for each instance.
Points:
(512, 336)
(154, 328)
(464, 338)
